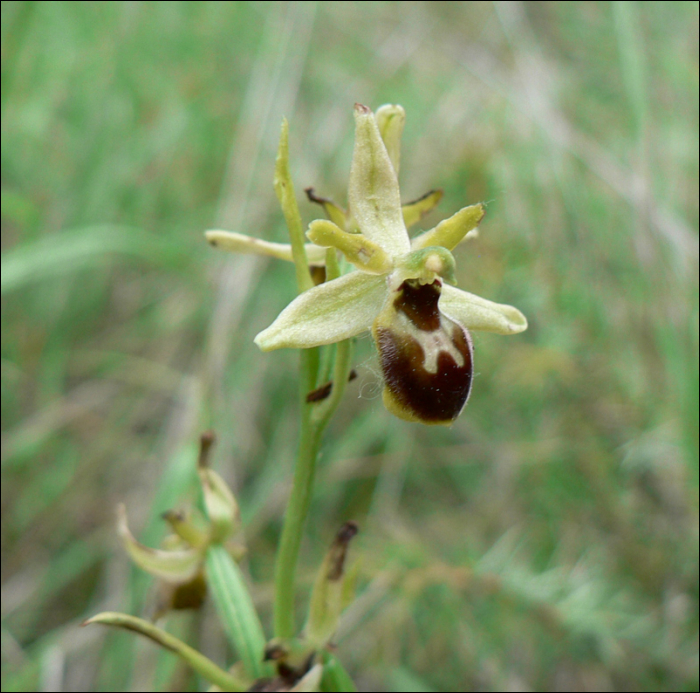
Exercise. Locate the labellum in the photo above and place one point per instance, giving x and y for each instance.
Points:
(426, 358)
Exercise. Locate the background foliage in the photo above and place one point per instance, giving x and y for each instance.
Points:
(549, 540)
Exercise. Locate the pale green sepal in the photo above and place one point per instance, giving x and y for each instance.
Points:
(358, 249)
(176, 566)
(373, 189)
(236, 610)
(450, 232)
(221, 505)
(414, 211)
(201, 664)
(239, 243)
(284, 189)
(476, 313)
(390, 120)
(328, 313)
(310, 681)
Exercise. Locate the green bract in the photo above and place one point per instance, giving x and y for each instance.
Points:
(402, 289)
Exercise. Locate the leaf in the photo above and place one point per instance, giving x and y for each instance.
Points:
(236, 609)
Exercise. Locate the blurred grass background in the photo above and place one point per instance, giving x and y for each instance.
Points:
(549, 540)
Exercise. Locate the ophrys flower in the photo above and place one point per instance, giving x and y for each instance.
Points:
(402, 289)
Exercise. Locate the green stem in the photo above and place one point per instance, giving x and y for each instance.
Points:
(314, 419)
(324, 410)
(294, 520)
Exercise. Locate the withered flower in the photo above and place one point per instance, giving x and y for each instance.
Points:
(179, 563)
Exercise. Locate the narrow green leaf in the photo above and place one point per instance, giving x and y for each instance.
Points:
(236, 609)
(201, 664)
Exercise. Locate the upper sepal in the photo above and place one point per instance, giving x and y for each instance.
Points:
(373, 189)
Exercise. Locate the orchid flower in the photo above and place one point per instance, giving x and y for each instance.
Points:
(402, 290)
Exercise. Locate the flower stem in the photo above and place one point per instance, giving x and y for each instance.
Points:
(297, 510)
(314, 419)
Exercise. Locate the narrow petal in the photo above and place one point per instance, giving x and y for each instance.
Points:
(414, 211)
(172, 566)
(373, 189)
(449, 232)
(333, 211)
(476, 313)
(358, 249)
(390, 120)
(238, 243)
(327, 313)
